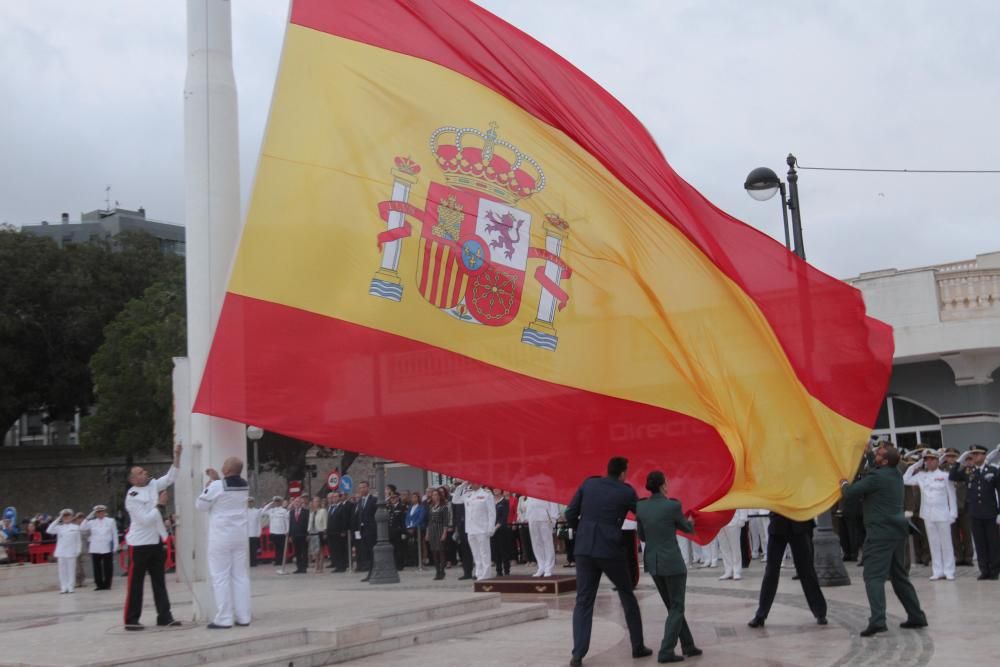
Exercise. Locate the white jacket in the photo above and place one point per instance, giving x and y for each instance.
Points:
(277, 519)
(103, 535)
(225, 500)
(67, 539)
(537, 510)
(938, 501)
(146, 525)
(480, 510)
(253, 522)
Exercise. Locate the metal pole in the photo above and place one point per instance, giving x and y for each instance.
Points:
(793, 203)
(784, 213)
(384, 563)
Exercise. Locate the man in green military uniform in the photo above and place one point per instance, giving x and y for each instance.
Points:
(881, 493)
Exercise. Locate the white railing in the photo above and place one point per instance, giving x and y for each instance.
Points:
(971, 294)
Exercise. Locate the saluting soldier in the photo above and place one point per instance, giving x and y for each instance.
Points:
(961, 530)
(881, 492)
(938, 510)
(983, 481)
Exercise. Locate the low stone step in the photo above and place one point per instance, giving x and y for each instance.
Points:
(237, 647)
(320, 651)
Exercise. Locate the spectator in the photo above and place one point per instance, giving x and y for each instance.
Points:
(438, 519)
(253, 531)
(317, 532)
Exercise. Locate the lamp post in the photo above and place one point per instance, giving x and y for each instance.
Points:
(383, 561)
(255, 433)
(762, 184)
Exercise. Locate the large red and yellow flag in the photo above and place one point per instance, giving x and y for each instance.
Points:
(462, 253)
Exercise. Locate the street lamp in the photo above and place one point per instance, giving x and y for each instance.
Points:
(383, 560)
(255, 433)
(762, 184)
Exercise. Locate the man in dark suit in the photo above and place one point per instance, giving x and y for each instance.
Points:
(782, 532)
(337, 526)
(596, 513)
(298, 530)
(365, 529)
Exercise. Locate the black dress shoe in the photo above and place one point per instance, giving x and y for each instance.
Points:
(756, 622)
(365, 579)
(872, 630)
(213, 626)
(671, 657)
(641, 652)
(982, 577)
(692, 652)
(464, 577)
(822, 621)
(913, 625)
(170, 624)
(575, 661)
(135, 627)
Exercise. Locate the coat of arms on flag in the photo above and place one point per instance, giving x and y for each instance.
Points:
(475, 239)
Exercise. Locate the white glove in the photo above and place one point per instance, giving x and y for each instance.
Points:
(908, 514)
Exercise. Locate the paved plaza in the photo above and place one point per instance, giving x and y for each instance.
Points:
(85, 628)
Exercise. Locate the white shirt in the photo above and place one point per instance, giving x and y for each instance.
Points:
(253, 522)
(225, 500)
(938, 501)
(535, 509)
(277, 519)
(103, 535)
(67, 539)
(147, 524)
(480, 510)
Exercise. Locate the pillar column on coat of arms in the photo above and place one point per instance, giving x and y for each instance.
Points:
(386, 283)
(542, 332)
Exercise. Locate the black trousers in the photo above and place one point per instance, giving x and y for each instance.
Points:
(279, 548)
(254, 548)
(338, 550)
(301, 544)
(802, 556)
(588, 578)
(465, 553)
(142, 560)
(501, 547)
(986, 535)
(398, 548)
(527, 554)
(103, 570)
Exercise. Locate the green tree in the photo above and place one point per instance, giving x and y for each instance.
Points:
(132, 373)
(54, 305)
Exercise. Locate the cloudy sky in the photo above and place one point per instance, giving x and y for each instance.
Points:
(91, 95)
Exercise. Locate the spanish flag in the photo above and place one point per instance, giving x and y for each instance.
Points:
(463, 254)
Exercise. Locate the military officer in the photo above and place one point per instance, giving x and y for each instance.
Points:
(961, 530)
(596, 514)
(145, 537)
(983, 482)
(225, 499)
(796, 535)
(480, 523)
(541, 517)
(659, 518)
(102, 544)
(881, 493)
(938, 509)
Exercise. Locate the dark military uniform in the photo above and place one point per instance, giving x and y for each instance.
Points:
(961, 529)
(982, 491)
(881, 492)
(659, 519)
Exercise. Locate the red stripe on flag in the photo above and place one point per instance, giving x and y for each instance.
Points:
(436, 276)
(425, 266)
(448, 268)
(842, 357)
(343, 385)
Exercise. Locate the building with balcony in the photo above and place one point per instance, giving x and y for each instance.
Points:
(102, 226)
(946, 321)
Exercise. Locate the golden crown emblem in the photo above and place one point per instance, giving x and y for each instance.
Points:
(489, 165)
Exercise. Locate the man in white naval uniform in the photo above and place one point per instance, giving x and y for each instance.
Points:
(541, 516)
(103, 543)
(938, 509)
(277, 521)
(480, 523)
(225, 500)
(145, 538)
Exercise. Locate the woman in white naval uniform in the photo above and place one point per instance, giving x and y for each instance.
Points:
(225, 500)
(480, 522)
(938, 509)
(67, 534)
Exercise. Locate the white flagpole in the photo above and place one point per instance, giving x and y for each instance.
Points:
(213, 225)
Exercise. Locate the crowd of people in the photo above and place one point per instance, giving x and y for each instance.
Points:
(462, 524)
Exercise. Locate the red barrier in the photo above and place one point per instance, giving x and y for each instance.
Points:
(41, 552)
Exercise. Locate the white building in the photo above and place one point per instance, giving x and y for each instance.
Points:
(946, 320)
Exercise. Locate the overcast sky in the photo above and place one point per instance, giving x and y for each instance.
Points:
(91, 95)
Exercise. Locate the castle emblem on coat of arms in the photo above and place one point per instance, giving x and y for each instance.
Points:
(474, 244)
